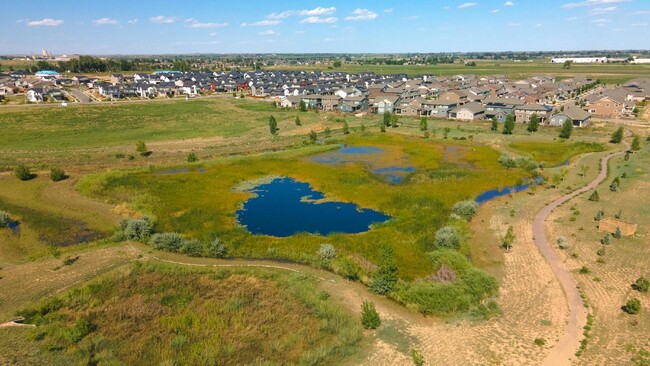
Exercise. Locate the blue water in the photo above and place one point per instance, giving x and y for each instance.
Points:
(285, 207)
(14, 226)
(494, 193)
(366, 155)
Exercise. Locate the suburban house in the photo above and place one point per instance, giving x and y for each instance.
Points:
(501, 107)
(385, 104)
(353, 104)
(468, 112)
(579, 117)
(441, 109)
(524, 112)
(35, 95)
(456, 96)
(330, 102)
(291, 101)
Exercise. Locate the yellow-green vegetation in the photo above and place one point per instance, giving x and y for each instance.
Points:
(554, 153)
(164, 314)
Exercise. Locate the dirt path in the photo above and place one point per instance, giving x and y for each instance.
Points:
(569, 342)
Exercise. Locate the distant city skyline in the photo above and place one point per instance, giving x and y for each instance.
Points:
(161, 27)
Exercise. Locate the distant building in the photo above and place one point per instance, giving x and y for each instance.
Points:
(580, 60)
(46, 74)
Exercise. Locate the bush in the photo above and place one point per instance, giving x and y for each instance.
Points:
(602, 251)
(447, 237)
(137, 229)
(606, 239)
(23, 173)
(217, 249)
(385, 278)
(632, 306)
(348, 268)
(4, 219)
(539, 342)
(326, 252)
(191, 157)
(507, 161)
(617, 136)
(418, 358)
(369, 316)
(641, 284)
(57, 174)
(599, 215)
(594, 197)
(192, 247)
(618, 234)
(563, 243)
(584, 270)
(141, 148)
(465, 209)
(171, 242)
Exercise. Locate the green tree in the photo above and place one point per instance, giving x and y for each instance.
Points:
(567, 64)
(369, 316)
(393, 120)
(636, 143)
(57, 174)
(313, 136)
(424, 124)
(509, 239)
(192, 247)
(618, 233)
(141, 148)
(533, 124)
(328, 132)
(567, 129)
(385, 278)
(617, 136)
(495, 123)
(326, 252)
(632, 306)
(594, 197)
(346, 128)
(273, 125)
(302, 106)
(298, 123)
(599, 215)
(641, 284)
(191, 157)
(465, 209)
(418, 358)
(509, 125)
(606, 239)
(22, 172)
(447, 237)
(382, 127)
(386, 119)
(336, 64)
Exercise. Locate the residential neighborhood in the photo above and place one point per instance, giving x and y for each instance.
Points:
(461, 97)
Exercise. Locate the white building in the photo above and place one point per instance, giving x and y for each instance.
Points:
(580, 60)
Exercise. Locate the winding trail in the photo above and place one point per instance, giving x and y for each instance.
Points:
(569, 342)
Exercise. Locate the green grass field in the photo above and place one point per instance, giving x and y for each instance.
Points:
(608, 73)
(554, 153)
(164, 314)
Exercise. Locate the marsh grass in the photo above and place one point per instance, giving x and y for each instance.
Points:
(159, 313)
(201, 205)
(554, 153)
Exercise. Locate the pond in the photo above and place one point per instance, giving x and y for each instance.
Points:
(392, 170)
(284, 207)
(495, 193)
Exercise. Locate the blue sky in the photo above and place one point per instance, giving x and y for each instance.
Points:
(183, 26)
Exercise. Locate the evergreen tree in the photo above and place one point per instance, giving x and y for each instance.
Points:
(346, 128)
(423, 124)
(273, 125)
(393, 120)
(567, 129)
(385, 277)
(599, 215)
(636, 143)
(302, 106)
(495, 124)
(618, 233)
(386, 119)
(606, 239)
(313, 136)
(594, 197)
(533, 124)
(617, 136)
(382, 127)
(509, 239)
(298, 123)
(369, 316)
(509, 125)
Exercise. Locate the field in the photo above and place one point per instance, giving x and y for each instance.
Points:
(608, 73)
(168, 314)
(231, 137)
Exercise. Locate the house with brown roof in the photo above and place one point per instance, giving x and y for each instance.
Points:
(579, 117)
(468, 112)
(524, 112)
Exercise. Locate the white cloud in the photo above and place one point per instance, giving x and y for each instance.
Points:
(132, 21)
(591, 3)
(160, 19)
(639, 24)
(45, 22)
(514, 24)
(389, 10)
(105, 21)
(538, 25)
(640, 12)
(494, 11)
(319, 20)
(601, 21)
(262, 23)
(508, 3)
(362, 14)
(597, 11)
(302, 13)
(570, 19)
(213, 34)
(269, 32)
(208, 25)
(466, 5)
(190, 20)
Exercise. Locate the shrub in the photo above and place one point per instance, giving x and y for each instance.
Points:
(584, 270)
(418, 358)
(567, 129)
(22, 172)
(563, 243)
(57, 174)
(192, 247)
(599, 215)
(617, 136)
(602, 251)
(632, 306)
(509, 239)
(4, 219)
(465, 209)
(618, 234)
(326, 252)
(297, 121)
(191, 157)
(217, 249)
(606, 239)
(613, 187)
(447, 237)
(385, 278)
(594, 197)
(369, 316)
(348, 268)
(539, 342)
(636, 143)
(137, 229)
(641, 284)
(171, 242)
(507, 161)
(141, 148)
(313, 136)
(273, 125)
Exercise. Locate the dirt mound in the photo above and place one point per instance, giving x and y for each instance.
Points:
(609, 225)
